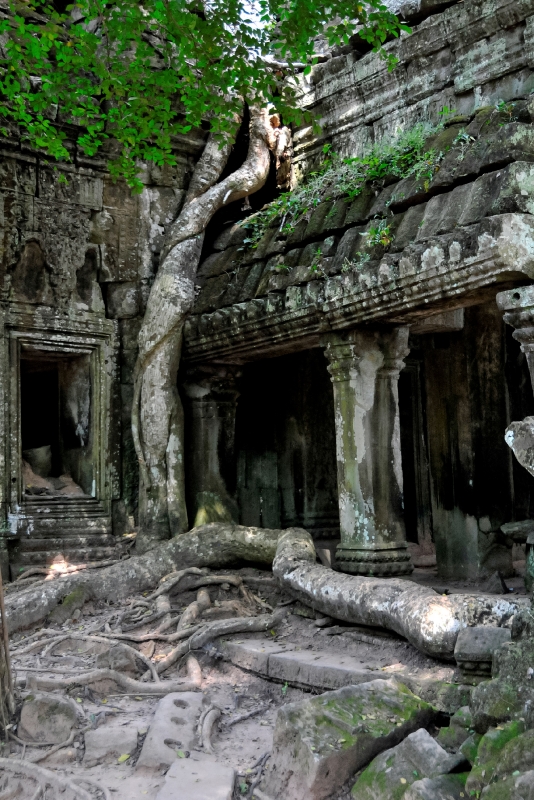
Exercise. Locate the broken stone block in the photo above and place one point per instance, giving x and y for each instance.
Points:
(469, 748)
(391, 773)
(444, 787)
(510, 695)
(320, 742)
(46, 718)
(173, 729)
(512, 788)
(108, 743)
(197, 780)
(474, 651)
(502, 752)
(460, 728)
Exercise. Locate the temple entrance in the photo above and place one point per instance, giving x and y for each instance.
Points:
(55, 419)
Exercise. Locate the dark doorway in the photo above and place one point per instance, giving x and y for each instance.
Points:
(55, 421)
(285, 437)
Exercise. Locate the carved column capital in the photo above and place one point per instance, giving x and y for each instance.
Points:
(518, 307)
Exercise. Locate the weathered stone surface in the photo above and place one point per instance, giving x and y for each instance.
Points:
(519, 437)
(46, 718)
(444, 787)
(122, 300)
(474, 650)
(512, 788)
(391, 773)
(460, 728)
(254, 654)
(512, 666)
(319, 743)
(501, 752)
(173, 728)
(197, 780)
(322, 671)
(108, 742)
(470, 747)
(118, 658)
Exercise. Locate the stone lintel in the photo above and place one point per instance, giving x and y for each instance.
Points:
(448, 269)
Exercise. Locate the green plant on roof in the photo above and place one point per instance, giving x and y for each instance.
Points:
(401, 156)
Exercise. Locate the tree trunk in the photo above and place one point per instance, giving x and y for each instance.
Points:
(157, 417)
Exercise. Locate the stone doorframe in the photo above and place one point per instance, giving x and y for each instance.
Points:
(43, 329)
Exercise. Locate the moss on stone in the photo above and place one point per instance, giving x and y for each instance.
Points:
(490, 752)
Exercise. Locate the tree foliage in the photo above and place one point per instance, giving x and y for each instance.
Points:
(128, 76)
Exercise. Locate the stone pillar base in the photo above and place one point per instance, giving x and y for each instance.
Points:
(383, 563)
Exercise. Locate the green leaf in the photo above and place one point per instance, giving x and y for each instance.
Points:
(123, 758)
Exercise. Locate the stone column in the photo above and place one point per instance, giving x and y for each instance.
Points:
(211, 398)
(364, 366)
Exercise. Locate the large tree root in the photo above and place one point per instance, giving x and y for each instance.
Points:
(215, 545)
(428, 620)
(131, 685)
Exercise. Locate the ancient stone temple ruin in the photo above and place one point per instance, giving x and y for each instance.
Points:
(359, 391)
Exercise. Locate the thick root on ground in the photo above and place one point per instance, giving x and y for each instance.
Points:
(428, 620)
(215, 545)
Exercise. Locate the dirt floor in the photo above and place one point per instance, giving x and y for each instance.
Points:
(234, 691)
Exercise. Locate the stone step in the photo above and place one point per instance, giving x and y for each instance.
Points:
(70, 541)
(43, 558)
(189, 779)
(301, 668)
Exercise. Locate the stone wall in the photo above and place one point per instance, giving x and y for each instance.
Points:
(78, 254)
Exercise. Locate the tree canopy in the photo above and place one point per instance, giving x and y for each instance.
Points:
(133, 74)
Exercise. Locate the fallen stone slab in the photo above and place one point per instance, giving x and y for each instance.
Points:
(188, 779)
(253, 654)
(321, 741)
(392, 772)
(107, 743)
(445, 787)
(474, 651)
(172, 731)
(283, 663)
(320, 670)
(47, 718)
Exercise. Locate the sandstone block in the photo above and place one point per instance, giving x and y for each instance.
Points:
(501, 752)
(460, 728)
(46, 718)
(108, 742)
(325, 671)
(474, 650)
(394, 771)
(122, 300)
(189, 779)
(173, 729)
(319, 743)
(444, 787)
